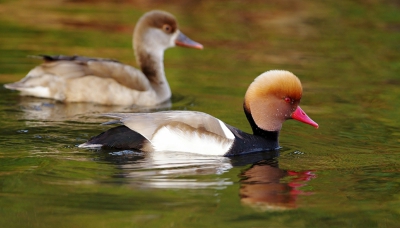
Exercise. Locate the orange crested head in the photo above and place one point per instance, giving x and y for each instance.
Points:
(279, 83)
(272, 98)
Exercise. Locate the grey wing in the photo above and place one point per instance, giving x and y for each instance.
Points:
(148, 123)
(125, 75)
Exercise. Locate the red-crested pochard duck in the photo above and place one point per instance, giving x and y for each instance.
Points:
(106, 81)
(271, 99)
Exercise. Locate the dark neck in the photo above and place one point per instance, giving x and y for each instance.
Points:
(152, 66)
(269, 135)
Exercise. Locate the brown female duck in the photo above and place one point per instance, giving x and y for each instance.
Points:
(108, 82)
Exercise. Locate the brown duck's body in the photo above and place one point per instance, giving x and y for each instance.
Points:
(106, 81)
(269, 101)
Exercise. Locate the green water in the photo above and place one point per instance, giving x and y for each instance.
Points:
(345, 174)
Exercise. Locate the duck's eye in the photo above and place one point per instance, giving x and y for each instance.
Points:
(167, 28)
(288, 100)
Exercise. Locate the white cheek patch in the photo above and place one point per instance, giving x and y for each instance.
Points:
(157, 41)
(173, 139)
(173, 38)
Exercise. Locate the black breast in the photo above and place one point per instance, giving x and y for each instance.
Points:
(247, 143)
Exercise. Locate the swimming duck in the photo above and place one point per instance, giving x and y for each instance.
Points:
(106, 81)
(271, 98)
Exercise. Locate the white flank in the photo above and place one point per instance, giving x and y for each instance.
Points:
(38, 91)
(173, 139)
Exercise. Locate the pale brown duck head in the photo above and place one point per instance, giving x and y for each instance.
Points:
(272, 98)
(158, 30)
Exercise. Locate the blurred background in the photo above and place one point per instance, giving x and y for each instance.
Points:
(345, 174)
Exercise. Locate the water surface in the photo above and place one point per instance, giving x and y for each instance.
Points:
(345, 174)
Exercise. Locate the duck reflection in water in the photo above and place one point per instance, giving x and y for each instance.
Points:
(264, 186)
(50, 110)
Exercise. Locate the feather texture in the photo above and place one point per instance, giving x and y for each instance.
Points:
(147, 123)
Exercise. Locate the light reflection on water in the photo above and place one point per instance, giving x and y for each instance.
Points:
(167, 169)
